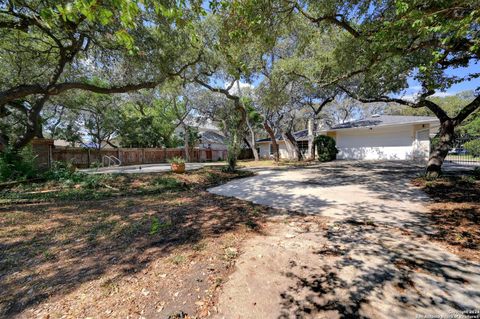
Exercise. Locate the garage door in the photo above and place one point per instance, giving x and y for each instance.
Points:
(375, 144)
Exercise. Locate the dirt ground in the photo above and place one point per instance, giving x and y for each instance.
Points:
(159, 255)
(455, 212)
(161, 246)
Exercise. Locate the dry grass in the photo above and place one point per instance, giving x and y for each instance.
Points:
(138, 255)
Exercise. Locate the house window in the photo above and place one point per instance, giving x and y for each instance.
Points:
(271, 149)
(302, 146)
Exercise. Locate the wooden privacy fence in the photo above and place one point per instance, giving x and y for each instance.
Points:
(47, 153)
(82, 157)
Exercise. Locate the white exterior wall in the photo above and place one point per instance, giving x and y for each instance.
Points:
(383, 143)
(265, 149)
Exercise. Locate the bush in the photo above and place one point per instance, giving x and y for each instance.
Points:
(60, 171)
(326, 149)
(17, 165)
(176, 160)
(473, 147)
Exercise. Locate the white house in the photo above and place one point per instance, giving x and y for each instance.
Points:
(380, 137)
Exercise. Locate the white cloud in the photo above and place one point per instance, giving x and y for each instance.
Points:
(243, 87)
(444, 94)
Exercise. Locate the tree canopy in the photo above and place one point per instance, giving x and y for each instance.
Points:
(304, 59)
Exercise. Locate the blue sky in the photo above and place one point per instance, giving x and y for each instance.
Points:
(414, 86)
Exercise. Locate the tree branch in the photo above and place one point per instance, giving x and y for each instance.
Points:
(467, 110)
(336, 19)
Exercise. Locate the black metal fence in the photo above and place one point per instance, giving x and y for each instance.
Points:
(460, 155)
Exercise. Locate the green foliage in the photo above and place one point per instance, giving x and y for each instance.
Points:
(61, 171)
(177, 160)
(473, 147)
(326, 148)
(150, 122)
(17, 165)
(472, 125)
(156, 225)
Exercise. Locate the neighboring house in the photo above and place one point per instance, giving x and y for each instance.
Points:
(212, 139)
(210, 135)
(380, 137)
(63, 143)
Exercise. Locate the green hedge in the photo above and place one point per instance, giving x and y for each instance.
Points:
(326, 148)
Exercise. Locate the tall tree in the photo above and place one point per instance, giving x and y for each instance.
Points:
(50, 47)
(391, 40)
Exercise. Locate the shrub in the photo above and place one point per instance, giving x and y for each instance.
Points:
(176, 160)
(60, 171)
(473, 147)
(326, 149)
(17, 165)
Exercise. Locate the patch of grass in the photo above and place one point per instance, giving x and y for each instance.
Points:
(48, 255)
(251, 224)
(156, 225)
(178, 259)
(199, 246)
(230, 253)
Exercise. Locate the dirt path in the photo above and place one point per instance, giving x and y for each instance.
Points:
(360, 252)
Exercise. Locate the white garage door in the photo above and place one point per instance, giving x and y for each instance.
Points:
(376, 144)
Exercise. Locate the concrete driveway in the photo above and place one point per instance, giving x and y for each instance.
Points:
(355, 246)
(378, 191)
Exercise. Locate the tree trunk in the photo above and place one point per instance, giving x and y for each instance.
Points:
(254, 150)
(312, 129)
(296, 150)
(233, 150)
(273, 139)
(186, 142)
(32, 123)
(237, 135)
(253, 143)
(39, 127)
(437, 155)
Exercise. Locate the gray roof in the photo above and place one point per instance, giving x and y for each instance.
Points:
(299, 136)
(212, 137)
(382, 120)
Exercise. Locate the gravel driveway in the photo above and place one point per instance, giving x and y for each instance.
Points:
(353, 245)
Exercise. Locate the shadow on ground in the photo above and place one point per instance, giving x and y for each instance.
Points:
(371, 271)
(51, 249)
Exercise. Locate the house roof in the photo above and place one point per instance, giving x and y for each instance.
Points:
(375, 120)
(384, 120)
(212, 137)
(299, 136)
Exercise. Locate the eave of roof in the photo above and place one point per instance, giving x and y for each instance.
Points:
(383, 125)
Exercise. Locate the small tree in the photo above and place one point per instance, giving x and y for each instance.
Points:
(326, 148)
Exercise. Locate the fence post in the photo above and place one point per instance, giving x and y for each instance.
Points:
(88, 158)
(143, 156)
